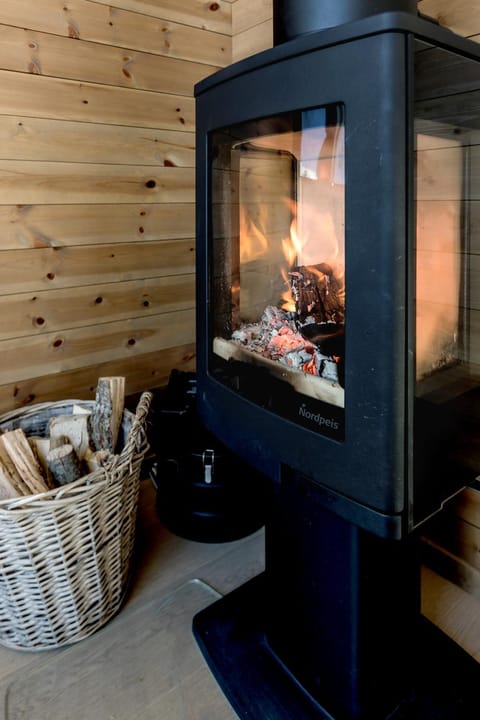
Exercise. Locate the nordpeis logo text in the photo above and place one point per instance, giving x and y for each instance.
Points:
(318, 418)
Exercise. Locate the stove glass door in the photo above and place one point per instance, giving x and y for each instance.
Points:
(277, 276)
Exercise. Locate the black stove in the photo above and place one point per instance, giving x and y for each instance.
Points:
(337, 335)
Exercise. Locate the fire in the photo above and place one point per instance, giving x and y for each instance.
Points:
(317, 245)
(292, 249)
(292, 246)
(253, 240)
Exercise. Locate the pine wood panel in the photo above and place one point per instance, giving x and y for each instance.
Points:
(463, 540)
(462, 16)
(22, 314)
(456, 612)
(30, 226)
(26, 138)
(253, 40)
(141, 371)
(86, 20)
(51, 353)
(51, 268)
(97, 187)
(25, 182)
(243, 17)
(252, 27)
(60, 99)
(44, 54)
(216, 16)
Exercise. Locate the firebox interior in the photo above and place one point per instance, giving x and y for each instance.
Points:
(279, 251)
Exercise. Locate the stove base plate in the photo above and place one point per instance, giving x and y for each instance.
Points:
(231, 636)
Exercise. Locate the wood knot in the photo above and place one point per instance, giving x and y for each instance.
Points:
(214, 6)
(34, 68)
(73, 32)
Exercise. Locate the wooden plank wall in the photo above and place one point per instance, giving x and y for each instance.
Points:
(97, 189)
(251, 27)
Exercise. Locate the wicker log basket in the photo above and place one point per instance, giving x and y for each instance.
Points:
(65, 554)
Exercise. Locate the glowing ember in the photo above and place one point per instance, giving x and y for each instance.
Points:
(276, 337)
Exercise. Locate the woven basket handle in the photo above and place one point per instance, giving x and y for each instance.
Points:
(136, 441)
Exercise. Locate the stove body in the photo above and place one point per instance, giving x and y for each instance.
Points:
(337, 342)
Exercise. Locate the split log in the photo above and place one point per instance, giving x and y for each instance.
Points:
(72, 429)
(40, 447)
(16, 446)
(11, 484)
(97, 459)
(105, 420)
(80, 410)
(64, 464)
(8, 489)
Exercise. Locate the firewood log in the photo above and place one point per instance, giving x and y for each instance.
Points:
(71, 429)
(105, 420)
(40, 447)
(16, 446)
(97, 459)
(12, 483)
(64, 464)
(8, 490)
(80, 410)
(319, 293)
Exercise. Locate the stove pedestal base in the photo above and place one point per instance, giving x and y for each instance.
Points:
(231, 635)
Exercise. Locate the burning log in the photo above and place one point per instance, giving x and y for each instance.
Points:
(319, 294)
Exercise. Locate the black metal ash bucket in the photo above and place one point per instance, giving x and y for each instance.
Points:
(204, 491)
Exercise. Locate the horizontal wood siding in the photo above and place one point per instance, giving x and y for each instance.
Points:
(252, 29)
(97, 190)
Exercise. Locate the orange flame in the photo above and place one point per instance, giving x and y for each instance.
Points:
(253, 241)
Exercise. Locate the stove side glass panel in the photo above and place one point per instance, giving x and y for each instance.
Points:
(447, 297)
(277, 275)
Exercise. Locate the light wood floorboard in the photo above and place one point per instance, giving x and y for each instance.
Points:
(144, 664)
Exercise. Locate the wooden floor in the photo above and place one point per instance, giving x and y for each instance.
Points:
(144, 664)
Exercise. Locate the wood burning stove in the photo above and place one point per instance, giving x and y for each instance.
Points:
(337, 181)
